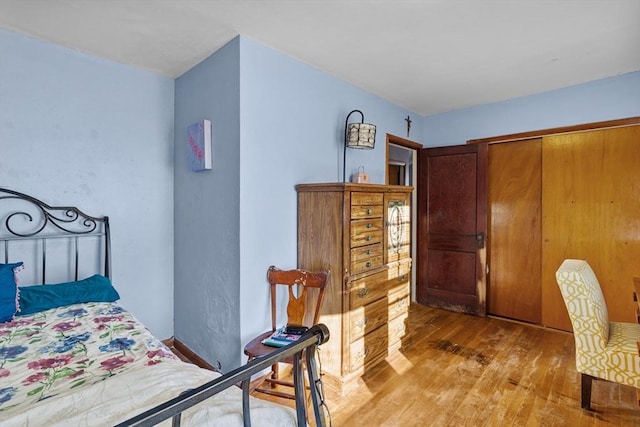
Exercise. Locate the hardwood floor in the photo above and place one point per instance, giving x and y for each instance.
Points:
(463, 370)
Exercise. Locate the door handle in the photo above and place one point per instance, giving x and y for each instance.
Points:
(480, 240)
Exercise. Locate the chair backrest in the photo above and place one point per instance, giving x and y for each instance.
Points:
(586, 305)
(306, 292)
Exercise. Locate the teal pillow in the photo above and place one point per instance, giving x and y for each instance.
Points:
(8, 290)
(37, 298)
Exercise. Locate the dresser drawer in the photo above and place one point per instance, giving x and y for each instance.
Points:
(366, 232)
(366, 211)
(376, 345)
(366, 205)
(400, 270)
(370, 288)
(370, 317)
(365, 258)
(359, 198)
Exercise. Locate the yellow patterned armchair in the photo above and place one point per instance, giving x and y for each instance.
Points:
(606, 350)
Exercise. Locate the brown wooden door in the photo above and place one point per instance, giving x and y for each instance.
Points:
(515, 230)
(452, 225)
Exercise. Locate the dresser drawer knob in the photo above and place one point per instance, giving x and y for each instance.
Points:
(368, 211)
(368, 264)
(367, 238)
(369, 225)
(362, 354)
(368, 251)
(363, 292)
(360, 324)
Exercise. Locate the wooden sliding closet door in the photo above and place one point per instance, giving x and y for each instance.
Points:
(515, 195)
(591, 211)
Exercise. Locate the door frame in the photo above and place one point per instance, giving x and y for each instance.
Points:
(414, 147)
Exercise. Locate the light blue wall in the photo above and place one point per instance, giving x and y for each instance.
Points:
(292, 131)
(606, 99)
(207, 226)
(78, 130)
(276, 123)
(82, 130)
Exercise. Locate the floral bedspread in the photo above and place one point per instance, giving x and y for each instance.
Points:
(95, 364)
(58, 350)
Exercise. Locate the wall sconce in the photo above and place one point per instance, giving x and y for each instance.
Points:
(357, 135)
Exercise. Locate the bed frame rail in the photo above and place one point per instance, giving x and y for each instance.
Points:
(306, 345)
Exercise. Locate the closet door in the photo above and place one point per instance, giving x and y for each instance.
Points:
(591, 211)
(514, 198)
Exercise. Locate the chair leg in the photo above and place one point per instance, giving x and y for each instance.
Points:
(275, 373)
(586, 391)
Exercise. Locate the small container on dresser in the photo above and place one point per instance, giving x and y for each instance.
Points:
(362, 234)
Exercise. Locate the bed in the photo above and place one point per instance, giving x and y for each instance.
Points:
(70, 354)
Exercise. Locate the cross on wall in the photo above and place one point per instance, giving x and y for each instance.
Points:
(408, 120)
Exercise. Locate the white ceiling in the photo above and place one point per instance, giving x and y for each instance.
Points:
(428, 56)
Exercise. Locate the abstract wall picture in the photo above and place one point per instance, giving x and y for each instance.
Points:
(199, 141)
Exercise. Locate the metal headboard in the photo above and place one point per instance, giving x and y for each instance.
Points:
(25, 218)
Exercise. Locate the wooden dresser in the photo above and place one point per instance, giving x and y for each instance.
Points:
(361, 233)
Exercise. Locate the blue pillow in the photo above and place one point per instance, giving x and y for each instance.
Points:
(8, 290)
(37, 298)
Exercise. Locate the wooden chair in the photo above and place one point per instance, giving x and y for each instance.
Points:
(303, 309)
(604, 350)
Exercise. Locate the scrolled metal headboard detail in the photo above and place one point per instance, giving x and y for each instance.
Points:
(49, 215)
(41, 221)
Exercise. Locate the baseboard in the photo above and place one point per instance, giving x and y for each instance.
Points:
(186, 354)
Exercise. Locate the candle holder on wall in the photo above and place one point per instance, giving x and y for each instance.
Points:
(357, 135)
